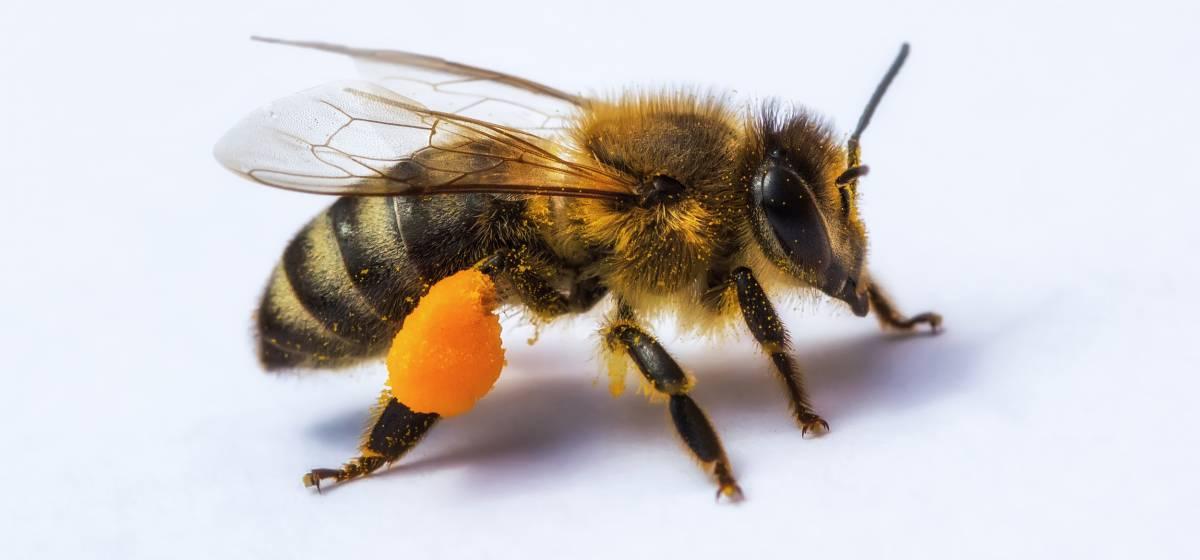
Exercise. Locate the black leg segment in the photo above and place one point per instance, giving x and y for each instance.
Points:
(697, 432)
(690, 422)
(394, 430)
(651, 359)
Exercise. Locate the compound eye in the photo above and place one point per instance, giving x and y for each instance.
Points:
(792, 212)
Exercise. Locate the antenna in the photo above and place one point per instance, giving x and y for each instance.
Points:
(852, 146)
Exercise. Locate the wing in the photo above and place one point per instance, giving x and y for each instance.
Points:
(358, 138)
(455, 88)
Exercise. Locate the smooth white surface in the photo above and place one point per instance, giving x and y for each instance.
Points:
(1033, 180)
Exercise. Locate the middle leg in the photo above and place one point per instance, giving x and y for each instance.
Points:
(668, 378)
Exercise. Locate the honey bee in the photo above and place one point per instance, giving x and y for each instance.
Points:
(669, 202)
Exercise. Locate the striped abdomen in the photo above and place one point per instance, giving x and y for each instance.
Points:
(348, 279)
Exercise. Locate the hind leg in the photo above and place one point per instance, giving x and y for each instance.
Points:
(394, 429)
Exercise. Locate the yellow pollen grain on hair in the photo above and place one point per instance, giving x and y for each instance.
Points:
(448, 354)
(617, 366)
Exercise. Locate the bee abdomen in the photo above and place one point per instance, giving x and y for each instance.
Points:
(341, 290)
(289, 335)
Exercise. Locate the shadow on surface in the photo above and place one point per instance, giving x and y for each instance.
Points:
(549, 414)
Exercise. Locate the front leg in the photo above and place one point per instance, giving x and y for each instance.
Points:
(891, 318)
(768, 329)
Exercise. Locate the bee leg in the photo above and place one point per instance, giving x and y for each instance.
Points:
(394, 429)
(690, 422)
(586, 293)
(890, 318)
(532, 289)
(771, 335)
(535, 291)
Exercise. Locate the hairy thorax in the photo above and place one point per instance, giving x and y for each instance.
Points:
(653, 252)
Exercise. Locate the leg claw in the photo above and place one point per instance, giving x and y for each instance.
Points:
(814, 425)
(731, 491)
(934, 321)
(312, 479)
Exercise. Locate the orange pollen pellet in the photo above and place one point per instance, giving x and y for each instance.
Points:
(448, 353)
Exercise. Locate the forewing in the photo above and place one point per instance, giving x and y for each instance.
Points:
(358, 138)
(460, 89)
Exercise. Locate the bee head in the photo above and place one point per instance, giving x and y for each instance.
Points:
(804, 191)
(805, 219)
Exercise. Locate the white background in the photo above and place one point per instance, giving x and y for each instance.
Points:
(1033, 180)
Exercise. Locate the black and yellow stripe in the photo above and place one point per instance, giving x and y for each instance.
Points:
(347, 280)
(341, 290)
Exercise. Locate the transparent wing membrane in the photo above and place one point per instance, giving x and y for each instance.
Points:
(359, 138)
(460, 89)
